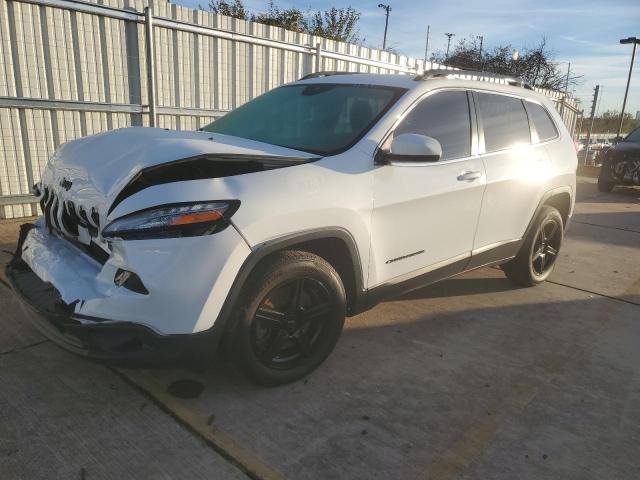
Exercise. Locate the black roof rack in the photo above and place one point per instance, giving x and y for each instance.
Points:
(327, 73)
(473, 75)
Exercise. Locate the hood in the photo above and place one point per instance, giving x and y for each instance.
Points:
(106, 162)
(85, 178)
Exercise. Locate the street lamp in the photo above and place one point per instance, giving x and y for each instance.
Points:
(635, 41)
(449, 35)
(387, 9)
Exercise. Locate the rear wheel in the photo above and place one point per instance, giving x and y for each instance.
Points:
(537, 256)
(289, 317)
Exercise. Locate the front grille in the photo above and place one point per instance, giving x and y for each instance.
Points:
(65, 218)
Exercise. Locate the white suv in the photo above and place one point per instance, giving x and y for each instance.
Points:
(310, 203)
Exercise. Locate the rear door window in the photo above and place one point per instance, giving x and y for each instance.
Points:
(504, 121)
(445, 117)
(542, 122)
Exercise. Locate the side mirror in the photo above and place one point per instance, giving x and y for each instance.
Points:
(413, 148)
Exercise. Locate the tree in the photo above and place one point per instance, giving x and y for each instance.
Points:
(536, 66)
(608, 122)
(291, 18)
(234, 8)
(336, 24)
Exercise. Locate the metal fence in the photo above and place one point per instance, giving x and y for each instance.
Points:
(70, 69)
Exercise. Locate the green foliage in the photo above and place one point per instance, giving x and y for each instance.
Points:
(289, 18)
(609, 121)
(234, 8)
(336, 24)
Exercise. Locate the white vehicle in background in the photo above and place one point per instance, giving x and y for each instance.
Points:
(312, 202)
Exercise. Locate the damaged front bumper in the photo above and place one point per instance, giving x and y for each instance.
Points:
(58, 284)
(123, 343)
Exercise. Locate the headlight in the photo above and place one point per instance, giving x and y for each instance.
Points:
(176, 220)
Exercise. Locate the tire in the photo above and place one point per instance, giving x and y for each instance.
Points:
(288, 318)
(537, 257)
(605, 186)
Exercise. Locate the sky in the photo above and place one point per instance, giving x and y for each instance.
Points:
(585, 33)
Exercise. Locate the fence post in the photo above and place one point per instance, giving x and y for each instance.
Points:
(318, 57)
(151, 70)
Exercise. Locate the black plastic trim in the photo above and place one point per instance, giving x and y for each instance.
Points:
(263, 250)
(391, 157)
(394, 289)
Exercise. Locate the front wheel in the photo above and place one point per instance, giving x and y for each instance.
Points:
(605, 186)
(537, 256)
(288, 318)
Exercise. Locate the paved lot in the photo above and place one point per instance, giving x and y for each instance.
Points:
(471, 378)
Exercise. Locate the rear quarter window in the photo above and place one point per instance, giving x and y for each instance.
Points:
(542, 122)
(504, 121)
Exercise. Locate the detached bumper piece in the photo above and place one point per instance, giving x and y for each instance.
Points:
(118, 343)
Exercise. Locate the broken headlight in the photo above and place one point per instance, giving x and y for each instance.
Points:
(175, 220)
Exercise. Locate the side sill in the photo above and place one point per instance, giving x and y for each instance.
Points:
(493, 256)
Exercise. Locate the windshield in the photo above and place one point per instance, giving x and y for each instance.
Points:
(324, 119)
(633, 136)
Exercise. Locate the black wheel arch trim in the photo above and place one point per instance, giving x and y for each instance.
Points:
(543, 201)
(263, 250)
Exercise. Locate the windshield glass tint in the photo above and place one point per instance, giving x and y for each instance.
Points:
(633, 136)
(323, 118)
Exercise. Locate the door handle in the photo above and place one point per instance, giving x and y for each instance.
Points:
(469, 176)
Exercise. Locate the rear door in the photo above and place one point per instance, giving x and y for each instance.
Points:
(518, 170)
(425, 215)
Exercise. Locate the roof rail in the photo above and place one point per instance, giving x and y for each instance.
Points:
(327, 73)
(473, 75)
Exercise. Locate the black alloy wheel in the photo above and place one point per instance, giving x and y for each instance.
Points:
(546, 246)
(289, 323)
(538, 254)
(288, 317)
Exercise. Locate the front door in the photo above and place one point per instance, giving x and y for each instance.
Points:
(425, 215)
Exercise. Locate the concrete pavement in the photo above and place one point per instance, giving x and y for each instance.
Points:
(470, 378)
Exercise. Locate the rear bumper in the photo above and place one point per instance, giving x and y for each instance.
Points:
(116, 342)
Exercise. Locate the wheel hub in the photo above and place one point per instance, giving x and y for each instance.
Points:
(288, 322)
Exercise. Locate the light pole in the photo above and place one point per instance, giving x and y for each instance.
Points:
(481, 38)
(566, 83)
(449, 35)
(635, 41)
(387, 9)
(515, 55)
(426, 47)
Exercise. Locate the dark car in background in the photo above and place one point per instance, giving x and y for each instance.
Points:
(621, 163)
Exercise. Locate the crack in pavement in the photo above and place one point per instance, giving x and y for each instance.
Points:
(610, 297)
(23, 347)
(606, 226)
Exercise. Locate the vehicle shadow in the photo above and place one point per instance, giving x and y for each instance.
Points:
(460, 286)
